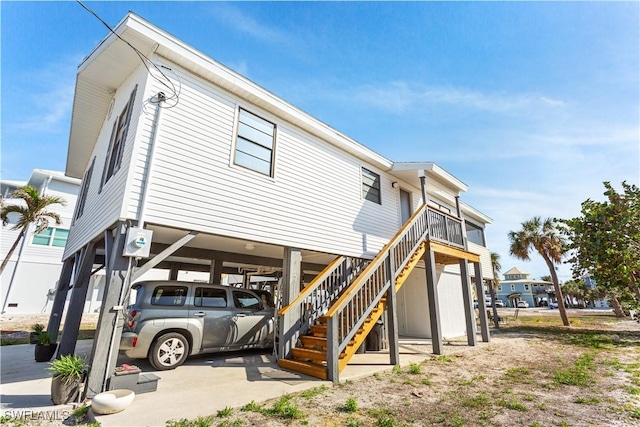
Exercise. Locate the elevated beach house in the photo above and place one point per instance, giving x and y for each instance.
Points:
(187, 165)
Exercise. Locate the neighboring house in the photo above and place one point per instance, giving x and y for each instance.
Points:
(29, 280)
(602, 303)
(188, 166)
(519, 286)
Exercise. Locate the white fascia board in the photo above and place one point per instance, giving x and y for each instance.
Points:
(212, 70)
(474, 213)
(57, 175)
(433, 169)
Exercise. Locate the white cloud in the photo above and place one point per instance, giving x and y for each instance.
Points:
(246, 24)
(51, 97)
(398, 97)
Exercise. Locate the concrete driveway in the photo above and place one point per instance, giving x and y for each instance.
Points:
(202, 386)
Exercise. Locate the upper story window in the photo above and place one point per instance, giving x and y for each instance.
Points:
(56, 237)
(82, 197)
(526, 287)
(513, 288)
(371, 186)
(118, 138)
(475, 234)
(255, 143)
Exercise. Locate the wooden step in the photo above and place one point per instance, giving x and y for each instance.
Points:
(307, 354)
(317, 343)
(319, 330)
(307, 368)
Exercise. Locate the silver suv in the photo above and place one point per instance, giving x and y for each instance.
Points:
(170, 321)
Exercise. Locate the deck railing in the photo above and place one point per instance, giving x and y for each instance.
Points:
(349, 313)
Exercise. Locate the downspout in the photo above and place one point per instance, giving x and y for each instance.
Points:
(160, 98)
(44, 187)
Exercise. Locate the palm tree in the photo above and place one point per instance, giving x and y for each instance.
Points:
(34, 212)
(496, 267)
(543, 237)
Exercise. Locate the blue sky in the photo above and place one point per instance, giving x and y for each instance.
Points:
(532, 105)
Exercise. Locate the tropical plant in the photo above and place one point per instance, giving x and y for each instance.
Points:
(605, 242)
(68, 368)
(44, 338)
(544, 237)
(35, 212)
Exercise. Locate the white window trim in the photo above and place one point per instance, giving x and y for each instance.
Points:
(370, 169)
(51, 238)
(234, 145)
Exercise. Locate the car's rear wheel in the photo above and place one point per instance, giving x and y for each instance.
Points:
(169, 351)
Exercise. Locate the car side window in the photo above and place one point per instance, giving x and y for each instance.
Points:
(212, 298)
(169, 295)
(246, 300)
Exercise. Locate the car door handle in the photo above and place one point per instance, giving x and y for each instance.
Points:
(199, 314)
(241, 315)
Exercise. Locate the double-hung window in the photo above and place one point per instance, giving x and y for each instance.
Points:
(371, 186)
(255, 143)
(82, 197)
(118, 138)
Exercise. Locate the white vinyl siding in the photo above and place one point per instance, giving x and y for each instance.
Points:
(314, 201)
(103, 207)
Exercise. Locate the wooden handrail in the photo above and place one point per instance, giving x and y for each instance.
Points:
(364, 275)
(312, 285)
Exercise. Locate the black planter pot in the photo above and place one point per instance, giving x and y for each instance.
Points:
(44, 353)
(63, 391)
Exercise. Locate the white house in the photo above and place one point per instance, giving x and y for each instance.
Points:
(29, 280)
(189, 166)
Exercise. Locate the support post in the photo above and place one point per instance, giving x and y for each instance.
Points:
(333, 353)
(173, 272)
(469, 315)
(423, 187)
(482, 307)
(76, 304)
(290, 288)
(215, 274)
(392, 314)
(105, 346)
(432, 295)
(61, 296)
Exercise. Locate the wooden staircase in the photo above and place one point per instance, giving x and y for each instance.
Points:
(330, 337)
(311, 357)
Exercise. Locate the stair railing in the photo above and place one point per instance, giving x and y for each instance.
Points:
(349, 313)
(316, 298)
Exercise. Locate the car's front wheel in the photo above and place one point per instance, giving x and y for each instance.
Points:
(169, 351)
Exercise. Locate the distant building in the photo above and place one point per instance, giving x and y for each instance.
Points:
(29, 280)
(591, 283)
(519, 286)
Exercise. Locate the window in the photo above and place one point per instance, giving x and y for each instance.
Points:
(118, 138)
(371, 186)
(513, 288)
(246, 300)
(207, 297)
(255, 143)
(475, 234)
(169, 295)
(56, 237)
(499, 288)
(526, 287)
(82, 198)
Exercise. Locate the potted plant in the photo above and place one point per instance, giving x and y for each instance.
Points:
(34, 336)
(68, 374)
(45, 349)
